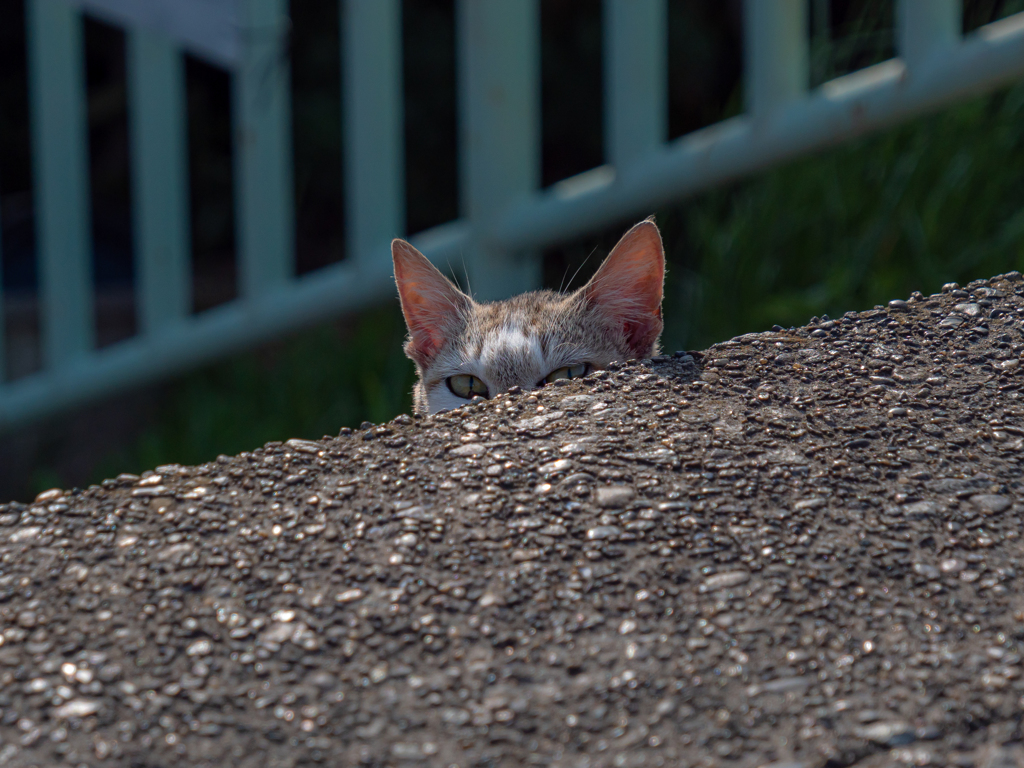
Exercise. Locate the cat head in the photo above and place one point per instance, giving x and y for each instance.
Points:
(464, 349)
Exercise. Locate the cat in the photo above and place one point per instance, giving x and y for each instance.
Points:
(463, 349)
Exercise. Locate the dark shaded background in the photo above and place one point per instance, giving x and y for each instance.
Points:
(935, 200)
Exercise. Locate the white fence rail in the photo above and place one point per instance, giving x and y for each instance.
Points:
(505, 218)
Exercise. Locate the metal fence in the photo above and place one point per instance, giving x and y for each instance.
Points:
(505, 218)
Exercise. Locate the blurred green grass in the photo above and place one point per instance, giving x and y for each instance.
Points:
(935, 200)
(938, 199)
(306, 386)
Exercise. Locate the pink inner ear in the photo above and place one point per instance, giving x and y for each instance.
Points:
(627, 289)
(427, 337)
(642, 335)
(431, 304)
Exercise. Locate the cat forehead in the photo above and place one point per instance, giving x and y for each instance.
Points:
(516, 334)
(530, 312)
(514, 321)
(511, 346)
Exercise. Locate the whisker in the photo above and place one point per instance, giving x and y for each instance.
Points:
(561, 284)
(465, 271)
(453, 273)
(581, 266)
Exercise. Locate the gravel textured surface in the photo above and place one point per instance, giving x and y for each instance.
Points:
(800, 547)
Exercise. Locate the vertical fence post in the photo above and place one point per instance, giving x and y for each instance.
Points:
(499, 124)
(263, 149)
(927, 27)
(60, 169)
(775, 51)
(635, 74)
(159, 161)
(821, 41)
(372, 101)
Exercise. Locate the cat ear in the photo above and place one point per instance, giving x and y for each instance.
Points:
(627, 289)
(433, 307)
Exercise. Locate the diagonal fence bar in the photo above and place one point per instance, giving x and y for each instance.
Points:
(159, 164)
(208, 29)
(60, 169)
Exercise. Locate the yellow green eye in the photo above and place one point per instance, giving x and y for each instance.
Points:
(568, 372)
(467, 386)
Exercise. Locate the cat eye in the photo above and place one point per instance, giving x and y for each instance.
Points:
(567, 372)
(467, 386)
